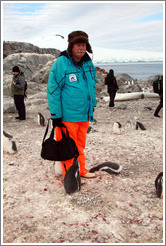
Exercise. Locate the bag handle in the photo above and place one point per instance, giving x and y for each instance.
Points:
(52, 132)
(63, 134)
(45, 134)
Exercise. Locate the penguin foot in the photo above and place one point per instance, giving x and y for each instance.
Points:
(83, 182)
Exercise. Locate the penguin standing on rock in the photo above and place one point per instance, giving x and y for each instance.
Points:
(72, 180)
(40, 119)
(8, 144)
(109, 167)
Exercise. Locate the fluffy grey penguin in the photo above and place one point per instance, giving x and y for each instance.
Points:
(72, 180)
(109, 167)
(159, 184)
(131, 125)
(116, 127)
(134, 125)
(9, 144)
(40, 119)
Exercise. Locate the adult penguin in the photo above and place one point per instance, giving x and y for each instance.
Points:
(72, 181)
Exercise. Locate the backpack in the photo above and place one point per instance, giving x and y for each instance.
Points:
(25, 88)
(158, 86)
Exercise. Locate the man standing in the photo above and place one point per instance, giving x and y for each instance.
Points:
(160, 92)
(17, 89)
(71, 93)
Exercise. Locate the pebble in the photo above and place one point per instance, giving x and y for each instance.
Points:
(146, 222)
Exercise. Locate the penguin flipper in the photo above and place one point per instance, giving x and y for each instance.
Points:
(7, 135)
(139, 124)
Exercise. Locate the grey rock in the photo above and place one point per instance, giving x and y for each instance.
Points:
(41, 76)
(22, 47)
(122, 106)
(39, 101)
(8, 107)
(28, 62)
(130, 88)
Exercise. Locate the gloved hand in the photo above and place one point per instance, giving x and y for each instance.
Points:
(57, 122)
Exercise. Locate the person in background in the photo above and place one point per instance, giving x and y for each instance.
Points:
(17, 89)
(71, 94)
(159, 107)
(112, 86)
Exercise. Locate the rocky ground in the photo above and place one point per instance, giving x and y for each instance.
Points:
(113, 209)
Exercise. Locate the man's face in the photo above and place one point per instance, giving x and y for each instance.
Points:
(15, 73)
(78, 51)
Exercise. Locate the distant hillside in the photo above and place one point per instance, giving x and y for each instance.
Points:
(12, 47)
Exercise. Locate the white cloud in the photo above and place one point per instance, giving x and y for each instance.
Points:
(111, 25)
(125, 55)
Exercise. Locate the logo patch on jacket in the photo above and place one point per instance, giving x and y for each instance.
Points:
(72, 78)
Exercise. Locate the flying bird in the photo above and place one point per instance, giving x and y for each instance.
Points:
(59, 35)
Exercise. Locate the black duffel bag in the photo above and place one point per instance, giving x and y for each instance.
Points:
(62, 150)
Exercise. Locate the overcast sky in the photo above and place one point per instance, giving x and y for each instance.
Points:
(117, 30)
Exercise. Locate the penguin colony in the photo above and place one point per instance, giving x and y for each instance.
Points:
(72, 180)
(130, 125)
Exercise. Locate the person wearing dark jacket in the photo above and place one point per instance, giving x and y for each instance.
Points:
(112, 86)
(17, 89)
(160, 106)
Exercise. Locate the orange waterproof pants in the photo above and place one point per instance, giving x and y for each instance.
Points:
(77, 131)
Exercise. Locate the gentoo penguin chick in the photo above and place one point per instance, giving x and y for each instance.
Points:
(159, 184)
(131, 125)
(116, 128)
(8, 144)
(72, 180)
(109, 167)
(40, 119)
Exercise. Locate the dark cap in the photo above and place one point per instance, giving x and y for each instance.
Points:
(16, 69)
(78, 37)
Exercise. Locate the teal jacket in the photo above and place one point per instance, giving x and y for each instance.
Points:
(71, 89)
